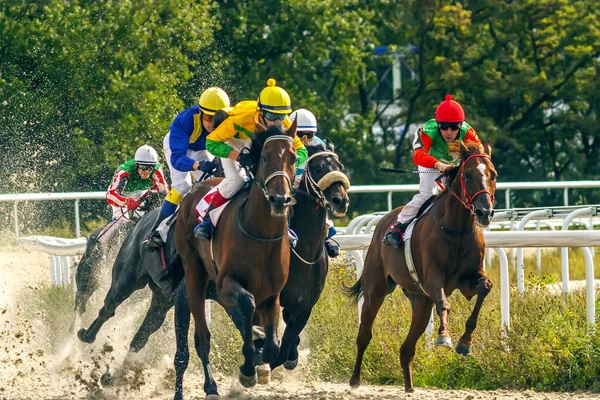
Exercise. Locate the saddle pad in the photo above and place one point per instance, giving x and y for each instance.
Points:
(202, 206)
(409, 229)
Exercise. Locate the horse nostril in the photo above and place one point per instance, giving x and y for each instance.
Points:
(272, 199)
(288, 200)
(492, 214)
(336, 200)
(479, 213)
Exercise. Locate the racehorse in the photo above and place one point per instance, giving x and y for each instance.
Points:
(89, 268)
(448, 249)
(248, 257)
(323, 187)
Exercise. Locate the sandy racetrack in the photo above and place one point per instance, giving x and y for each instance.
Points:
(38, 364)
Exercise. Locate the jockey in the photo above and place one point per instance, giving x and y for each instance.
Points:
(307, 132)
(273, 106)
(185, 151)
(141, 173)
(430, 147)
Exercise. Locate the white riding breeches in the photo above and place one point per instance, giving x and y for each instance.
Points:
(181, 181)
(235, 176)
(427, 188)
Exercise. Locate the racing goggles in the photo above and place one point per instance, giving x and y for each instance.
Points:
(269, 116)
(309, 135)
(146, 167)
(444, 126)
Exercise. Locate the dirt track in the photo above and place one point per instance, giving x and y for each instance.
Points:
(37, 364)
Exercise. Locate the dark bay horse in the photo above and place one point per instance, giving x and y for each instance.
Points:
(248, 257)
(323, 187)
(448, 250)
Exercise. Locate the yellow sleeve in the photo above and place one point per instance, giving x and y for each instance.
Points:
(215, 141)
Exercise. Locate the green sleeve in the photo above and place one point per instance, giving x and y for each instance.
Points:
(218, 149)
(302, 156)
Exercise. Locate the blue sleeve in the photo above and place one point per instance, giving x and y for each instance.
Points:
(179, 141)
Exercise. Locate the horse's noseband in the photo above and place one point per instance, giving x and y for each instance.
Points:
(326, 181)
(468, 202)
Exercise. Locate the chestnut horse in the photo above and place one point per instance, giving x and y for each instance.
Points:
(448, 250)
(249, 255)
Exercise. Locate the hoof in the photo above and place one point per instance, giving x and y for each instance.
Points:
(107, 379)
(463, 349)
(248, 381)
(264, 375)
(81, 334)
(409, 390)
(258, 357)
(290, 364)
(445, 341)
(211, 397)
(354, 383)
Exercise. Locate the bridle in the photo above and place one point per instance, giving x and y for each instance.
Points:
(263, 185)
(325, 182)
(467, 202)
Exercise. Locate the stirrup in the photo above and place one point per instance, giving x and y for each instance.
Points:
(332, 247)
(393, 238)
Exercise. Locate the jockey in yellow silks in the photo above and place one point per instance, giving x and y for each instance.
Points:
(231, 137)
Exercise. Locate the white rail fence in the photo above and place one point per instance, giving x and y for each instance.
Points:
(508, 187)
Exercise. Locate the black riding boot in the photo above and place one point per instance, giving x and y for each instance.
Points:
(333, 249)
(155, 241)
(394, 236)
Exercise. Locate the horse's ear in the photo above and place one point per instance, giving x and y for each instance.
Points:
(292, 129)
(487, 147)
(463, 149)
(329, 145)
(219, 117)
(260, 127)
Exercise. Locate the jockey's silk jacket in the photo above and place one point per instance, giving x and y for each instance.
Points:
(430, 147)
(187, 133)
(241, 125)
(127, 180)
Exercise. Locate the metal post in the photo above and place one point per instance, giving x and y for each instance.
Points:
(566, 196)
(507, 199)
(16, 219)
(389, 200)
(77, 224)
(504, 289)
(589, 288)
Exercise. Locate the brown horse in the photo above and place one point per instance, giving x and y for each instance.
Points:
(249, 255)
(448, 250)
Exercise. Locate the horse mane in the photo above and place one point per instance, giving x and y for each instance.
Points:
(464, 150)
(318, 148)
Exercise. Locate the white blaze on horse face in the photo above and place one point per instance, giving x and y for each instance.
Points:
(481, 168)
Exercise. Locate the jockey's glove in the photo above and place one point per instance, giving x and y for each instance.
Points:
(245, 159)
(131, 203)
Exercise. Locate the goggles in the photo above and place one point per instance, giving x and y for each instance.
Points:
(444, 126)
(309, 135)
(207, 118)
(269, 116)
(146, 167)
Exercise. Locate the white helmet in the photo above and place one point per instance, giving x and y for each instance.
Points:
(146, 155)
(306, 120)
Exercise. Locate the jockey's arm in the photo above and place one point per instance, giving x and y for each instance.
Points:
(112, 194)
(300, 151)
(159, 182)
(471, 135)
(179, 141)
(215, 141)
(421, 146)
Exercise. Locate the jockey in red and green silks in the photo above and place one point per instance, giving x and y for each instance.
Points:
(431, 155)
(186, 154)
(227, 141)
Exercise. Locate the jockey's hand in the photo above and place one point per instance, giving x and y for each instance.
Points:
(443, 167)
(131, 203)
(206, 166)
(245, 159)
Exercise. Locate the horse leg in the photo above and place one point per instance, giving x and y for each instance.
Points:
(182, 326)
(233, 294)
(478, 285)
(442, 307)
(288, 353)
(118, 293)
(86, 279)
(374, 292)
(421, 310)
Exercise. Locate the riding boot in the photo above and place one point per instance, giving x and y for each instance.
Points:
(332, 247)
(205, 230)
(155, 241)
(394, 236)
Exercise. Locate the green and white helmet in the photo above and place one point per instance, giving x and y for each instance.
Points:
(146, 155)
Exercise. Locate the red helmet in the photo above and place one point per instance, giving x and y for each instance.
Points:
(449, 111)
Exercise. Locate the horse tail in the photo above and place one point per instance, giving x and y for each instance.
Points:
(355, 292)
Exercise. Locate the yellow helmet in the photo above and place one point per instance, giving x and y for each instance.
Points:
(213, 99)
(274, 99)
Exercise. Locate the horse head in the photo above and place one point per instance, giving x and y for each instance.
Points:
(324, 176)
(473, 182)
(275, 165)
